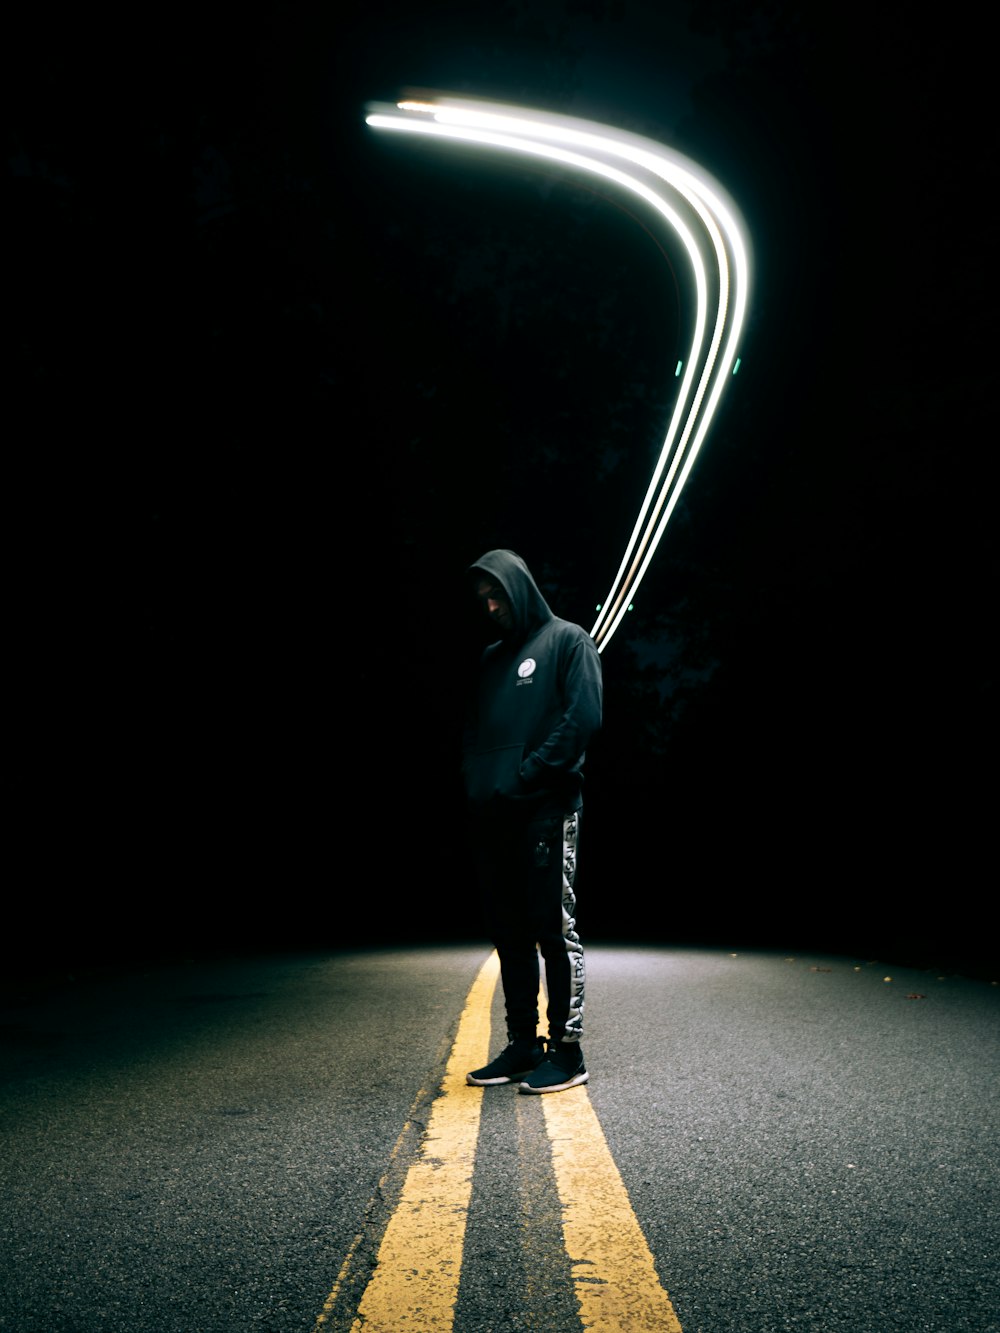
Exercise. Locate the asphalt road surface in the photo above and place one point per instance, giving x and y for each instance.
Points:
(227, 1146)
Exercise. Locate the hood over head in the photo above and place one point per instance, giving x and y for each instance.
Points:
(529, 608)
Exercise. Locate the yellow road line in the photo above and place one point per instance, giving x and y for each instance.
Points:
(415, 1282)
(613, 1271)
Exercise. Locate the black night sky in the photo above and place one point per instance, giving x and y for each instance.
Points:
(277, 382)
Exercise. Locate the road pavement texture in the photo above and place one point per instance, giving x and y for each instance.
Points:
(802, 1142)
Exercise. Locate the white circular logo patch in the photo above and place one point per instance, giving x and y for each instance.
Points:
(526, 667)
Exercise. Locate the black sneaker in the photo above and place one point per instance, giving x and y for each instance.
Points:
(519, 1058)
(562, 1068)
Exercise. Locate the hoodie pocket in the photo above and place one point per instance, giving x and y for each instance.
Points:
(494, 775)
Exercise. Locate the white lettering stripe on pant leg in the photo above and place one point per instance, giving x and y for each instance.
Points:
(577, 971)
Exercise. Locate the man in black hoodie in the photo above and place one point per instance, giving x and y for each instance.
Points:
(536, 705)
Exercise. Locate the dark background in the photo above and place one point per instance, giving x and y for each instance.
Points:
(277, 381)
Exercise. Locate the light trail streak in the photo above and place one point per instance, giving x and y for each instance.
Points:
(696, 211)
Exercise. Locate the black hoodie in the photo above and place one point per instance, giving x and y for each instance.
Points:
(537, 705)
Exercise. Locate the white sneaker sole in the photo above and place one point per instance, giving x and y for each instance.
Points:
(573, 1082)
(495, 1082)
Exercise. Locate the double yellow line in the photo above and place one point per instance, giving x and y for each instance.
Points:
(415, 1282)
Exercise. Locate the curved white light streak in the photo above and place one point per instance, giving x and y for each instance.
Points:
(592, 148)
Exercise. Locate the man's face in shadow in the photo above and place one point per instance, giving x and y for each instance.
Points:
(495, 603)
